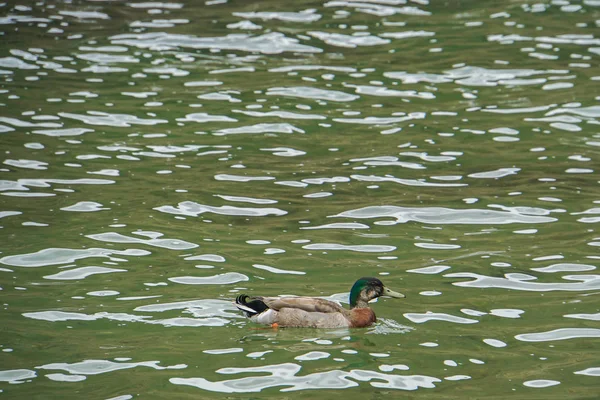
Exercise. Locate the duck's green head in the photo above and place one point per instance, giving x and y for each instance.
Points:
(366, 289)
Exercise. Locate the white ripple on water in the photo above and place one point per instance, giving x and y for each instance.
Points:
(317, 195)
(107, 58)
(25, 194)
(565, 267)
(205, 308)
(539, 211)
(320, 181)
(82, 273)
(362, 248)
(439, 215)
(26, 124)
(201, 83)
(507, 312)
(271, 250)
(116, 120)
(381, 120)
(277, 270)
(204, 117)
(244, 25)
(104, 69)
(16, 63)
(381, 10)
(85, 206)
(338, 225)
(95, 367)
(287, 375)
(62, 132)
(222, 95)
(565, 123)
(9, 213)
(280, 114)
(158, 23)
(583, 40)
(471, 312)
(220, 279)
(403, 181)
(230, 70)
(390, 368)
(541, 383)
(494, 343)
(243, 199)
(16, 375)
(521, 282)
(60, 316)
(259, 128)
(269, 43)
(407, 34)
(28, 164)
(559, 334)
(419, 318)
(594, 371)
(24, 184)
(444, 157)
(166, 71)
(386, 326)
(206, 257)
(171, 149)
(294, 184)
(348, 41)
(156, 5)
(435, 269)
(457, 378)
(304, 67)
(589, 220)
(308, 15)
(305, 92)
(387, 161)
(103, 293)
(285, 152)
(313, 356)
(496, 174)
(57, 256)
(65, 378)
(242, 178)
(476, 76)
(589, 113)
(437, 246)
(224, 351)
(171, 244)
(382, 91)
(106, 172)
(590, 317)
(193, 209)
(430, 293)
(85, 14)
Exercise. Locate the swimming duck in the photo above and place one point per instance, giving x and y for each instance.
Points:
(312, 312)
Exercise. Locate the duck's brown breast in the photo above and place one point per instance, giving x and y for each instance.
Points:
(362, 317)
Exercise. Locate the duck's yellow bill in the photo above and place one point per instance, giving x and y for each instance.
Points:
(391, 293)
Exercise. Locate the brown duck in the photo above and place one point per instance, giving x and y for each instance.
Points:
(312, 312)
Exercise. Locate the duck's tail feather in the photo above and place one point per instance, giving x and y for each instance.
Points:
(250, 305)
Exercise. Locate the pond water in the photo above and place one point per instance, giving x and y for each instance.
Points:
(160, 158)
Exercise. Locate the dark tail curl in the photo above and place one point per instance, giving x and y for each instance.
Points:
(251, 303)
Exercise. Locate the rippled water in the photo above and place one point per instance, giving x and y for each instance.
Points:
(160, 158)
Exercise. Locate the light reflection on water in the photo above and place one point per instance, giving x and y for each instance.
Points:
(214, 149)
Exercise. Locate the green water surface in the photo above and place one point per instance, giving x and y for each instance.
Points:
(161, 158)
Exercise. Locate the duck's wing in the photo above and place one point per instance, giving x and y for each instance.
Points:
(309, 304)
